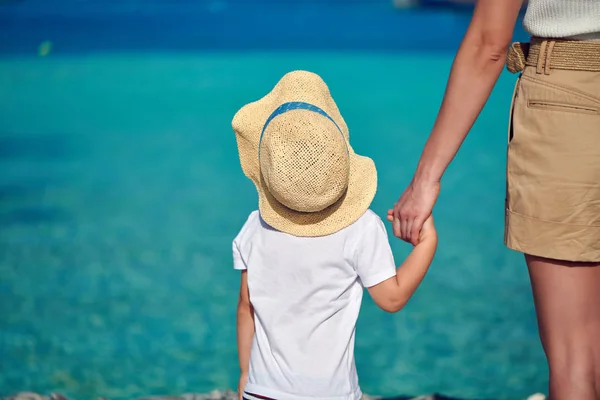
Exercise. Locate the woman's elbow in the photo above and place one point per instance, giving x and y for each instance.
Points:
(494, 47)
(495, 53)
(486, 47)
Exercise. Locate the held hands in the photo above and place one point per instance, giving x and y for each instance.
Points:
(413, 210)
(427, 231)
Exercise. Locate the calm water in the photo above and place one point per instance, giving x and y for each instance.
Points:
(121, 191)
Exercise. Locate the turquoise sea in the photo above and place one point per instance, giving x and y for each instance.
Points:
(121, 191)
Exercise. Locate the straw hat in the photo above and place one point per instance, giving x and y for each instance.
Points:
(294, 145)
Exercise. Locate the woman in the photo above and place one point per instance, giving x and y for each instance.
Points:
(553, 169)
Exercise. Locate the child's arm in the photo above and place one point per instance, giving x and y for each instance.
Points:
(245, 331)
(393, 294)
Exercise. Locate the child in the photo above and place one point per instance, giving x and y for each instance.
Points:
(311, 248)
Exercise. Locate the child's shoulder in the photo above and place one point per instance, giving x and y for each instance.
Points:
(253, 218)
(369, 220)
(368, 225)
(249, 227)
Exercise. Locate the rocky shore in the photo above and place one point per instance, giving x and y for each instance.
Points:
(229, 395)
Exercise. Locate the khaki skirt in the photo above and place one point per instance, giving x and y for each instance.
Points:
(553, 167)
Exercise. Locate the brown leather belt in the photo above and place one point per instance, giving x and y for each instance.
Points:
(549, 54)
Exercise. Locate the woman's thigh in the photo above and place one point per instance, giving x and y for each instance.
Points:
(567, 300)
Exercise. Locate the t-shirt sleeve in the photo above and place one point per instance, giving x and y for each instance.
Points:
(238, 261)
(374, 261)
(241, 241)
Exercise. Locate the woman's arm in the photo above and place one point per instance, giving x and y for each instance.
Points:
(245, 331)
(476, 68)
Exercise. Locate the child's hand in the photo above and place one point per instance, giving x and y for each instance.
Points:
(427, 231)
(241, 385)
(390, 215)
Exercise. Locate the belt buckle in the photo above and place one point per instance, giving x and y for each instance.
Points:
(517, 57)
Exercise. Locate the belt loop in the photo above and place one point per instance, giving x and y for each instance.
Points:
(541, 56)
(548, 55)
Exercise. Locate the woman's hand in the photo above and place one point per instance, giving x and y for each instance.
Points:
(412, 209)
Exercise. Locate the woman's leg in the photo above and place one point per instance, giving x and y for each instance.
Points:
(567, 301)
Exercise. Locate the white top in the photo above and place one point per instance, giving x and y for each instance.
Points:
(563, 19)
(306, 294)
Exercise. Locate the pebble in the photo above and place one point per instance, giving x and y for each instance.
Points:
(537, 396)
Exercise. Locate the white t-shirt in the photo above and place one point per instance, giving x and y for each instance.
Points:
(306, 293)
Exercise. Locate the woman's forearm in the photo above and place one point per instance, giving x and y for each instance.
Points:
(474, 73)
(472, 78)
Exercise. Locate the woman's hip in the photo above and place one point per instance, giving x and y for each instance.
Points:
(553, 168)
